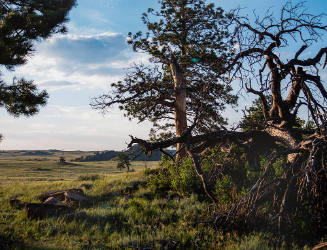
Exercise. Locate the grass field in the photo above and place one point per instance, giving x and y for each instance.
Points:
(16, 165)
(121, 211)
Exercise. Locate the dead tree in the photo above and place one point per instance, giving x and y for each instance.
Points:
(295, 86)
(265, 66)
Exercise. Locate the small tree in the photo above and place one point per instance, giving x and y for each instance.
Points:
(62, 160)
(123, 161)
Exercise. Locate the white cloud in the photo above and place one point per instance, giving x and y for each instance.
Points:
(86, 49)
(74, 68)
(80, 61)
(69, 128)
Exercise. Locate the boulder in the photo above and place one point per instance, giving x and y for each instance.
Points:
(72, 196)
(53, 201)
(59, 194)
(86, 186)
(41, 210)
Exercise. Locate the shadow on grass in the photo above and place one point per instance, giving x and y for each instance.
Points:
(72, 164)
(7, 243)
(127, 190)
(117, 219)
(42, 169)
(31, 247)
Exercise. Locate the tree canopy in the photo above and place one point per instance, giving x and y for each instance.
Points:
(123, 161)
(23, 22)
(188, 42)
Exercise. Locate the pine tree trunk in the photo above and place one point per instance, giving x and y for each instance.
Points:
(180, 107)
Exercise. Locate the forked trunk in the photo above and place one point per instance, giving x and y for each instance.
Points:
(287, 137)
(180, 107)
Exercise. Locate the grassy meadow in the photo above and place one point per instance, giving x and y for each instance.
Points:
(22, 166)
(121, 212)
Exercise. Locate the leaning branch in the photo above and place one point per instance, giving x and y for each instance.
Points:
(218, 136)
(309, 62)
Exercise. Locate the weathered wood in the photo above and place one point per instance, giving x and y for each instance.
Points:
(40, 210)
(59, 194)
(180, 106)
(321, 246)
(72, 196)
(53, 201)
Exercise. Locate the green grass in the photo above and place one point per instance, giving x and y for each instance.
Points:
(121, 212)
(24, 169)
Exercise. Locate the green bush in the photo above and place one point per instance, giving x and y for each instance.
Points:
(225, 190)
(181, 179)
(88, 177)
(229, 175)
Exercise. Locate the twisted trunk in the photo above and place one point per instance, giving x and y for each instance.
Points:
(286, 136)
(180, 107)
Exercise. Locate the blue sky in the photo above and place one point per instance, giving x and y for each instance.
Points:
(80, 65)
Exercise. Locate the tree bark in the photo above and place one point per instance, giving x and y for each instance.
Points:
(287, 137)
(180, 107)
(276, 110)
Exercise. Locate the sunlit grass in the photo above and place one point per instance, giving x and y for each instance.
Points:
(114, 219)
(121, 212)
(23, 170)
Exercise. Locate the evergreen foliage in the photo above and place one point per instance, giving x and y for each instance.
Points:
(253, 118)
(191, 38)
(23, 22)
(62, 160)
(22, 97)
(123, 161)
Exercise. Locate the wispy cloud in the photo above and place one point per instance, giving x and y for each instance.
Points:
(70, 128)
(100, 48)
(80, 61)
(74, 68)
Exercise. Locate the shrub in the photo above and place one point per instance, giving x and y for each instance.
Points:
(88, 177)
(228, 175)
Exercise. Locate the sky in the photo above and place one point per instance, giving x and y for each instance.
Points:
(80, 65)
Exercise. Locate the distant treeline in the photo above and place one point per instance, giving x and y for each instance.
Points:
(135, 154)
(38, 153)
(98, 156)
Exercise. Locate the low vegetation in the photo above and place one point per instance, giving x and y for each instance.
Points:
(151, 208)
(16, 166)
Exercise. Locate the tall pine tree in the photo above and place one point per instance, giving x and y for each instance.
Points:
(188, 43)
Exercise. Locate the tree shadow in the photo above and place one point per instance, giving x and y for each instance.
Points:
(8, 242)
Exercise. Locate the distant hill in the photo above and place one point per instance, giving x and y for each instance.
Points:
(98, 156)
(135, 153)
(37, 153)
(54, 150)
